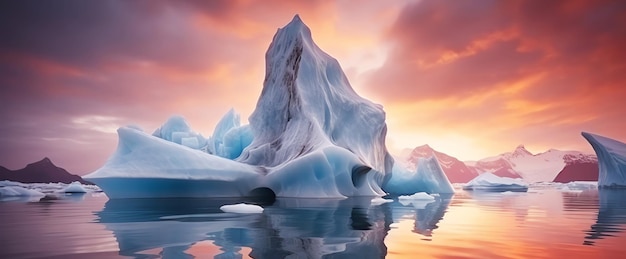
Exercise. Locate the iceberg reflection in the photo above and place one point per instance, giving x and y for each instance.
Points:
(426, 214)
(308, 228)
(611, 215)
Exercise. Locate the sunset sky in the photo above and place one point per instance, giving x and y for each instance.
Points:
(470, 78)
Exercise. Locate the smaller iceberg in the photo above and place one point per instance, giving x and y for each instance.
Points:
(611, 160)
(242, 208)
(18, 191)
(379, 201)
(491, 182)
(75, 187)
(419, 200)
(418, 196)
(428, 177)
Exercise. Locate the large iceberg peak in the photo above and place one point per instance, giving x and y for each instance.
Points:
(310, 135)
(611, 160)
(307, 104)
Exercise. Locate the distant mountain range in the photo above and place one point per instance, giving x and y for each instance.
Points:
(552, 165)
(43, 171)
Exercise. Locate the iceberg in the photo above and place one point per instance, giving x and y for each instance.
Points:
(310, 135)
(146, 166)
(491, 182)
(379, 201)
(242, 208)
(74, 187)
(18, 191)
(611, 160)
(428, 177)
(417, 196)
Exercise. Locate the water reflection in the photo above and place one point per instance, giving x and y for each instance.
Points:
(302, 228)
(611, 215)
(426, 213)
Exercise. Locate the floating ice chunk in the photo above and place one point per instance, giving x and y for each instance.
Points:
(11, 183)
(583, 185)
(429, 177)
(579, 186)
(417, 196)
(378, 201)
(17, 191)
(242, 208)
(567, 189)
(75, 187)
(491, 182)
(611, 160)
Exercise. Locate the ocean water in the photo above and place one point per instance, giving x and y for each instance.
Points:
(545, 222)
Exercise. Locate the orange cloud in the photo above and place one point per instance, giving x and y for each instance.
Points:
(502, 73)
(471, 79)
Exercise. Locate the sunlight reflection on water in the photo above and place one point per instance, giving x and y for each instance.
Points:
(543, 223)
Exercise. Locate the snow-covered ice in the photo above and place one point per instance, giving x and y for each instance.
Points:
(428, 177)
(311, 135)
(18, 191)
(611, 160)
(417, 196)
(242, 208)
(491, 182)
(379, 200)
(177, 130)
(75, 187)
(418, 200)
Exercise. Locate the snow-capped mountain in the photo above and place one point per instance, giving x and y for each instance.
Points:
(578, 168)
(541, 167)
(455, 170)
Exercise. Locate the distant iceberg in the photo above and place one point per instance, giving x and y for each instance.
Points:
(74, 187)
(8, 192)
(491, 182)
(611, 160)
(428, 177)
(311, 135)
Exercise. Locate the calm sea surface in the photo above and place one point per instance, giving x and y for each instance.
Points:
(543, 223)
